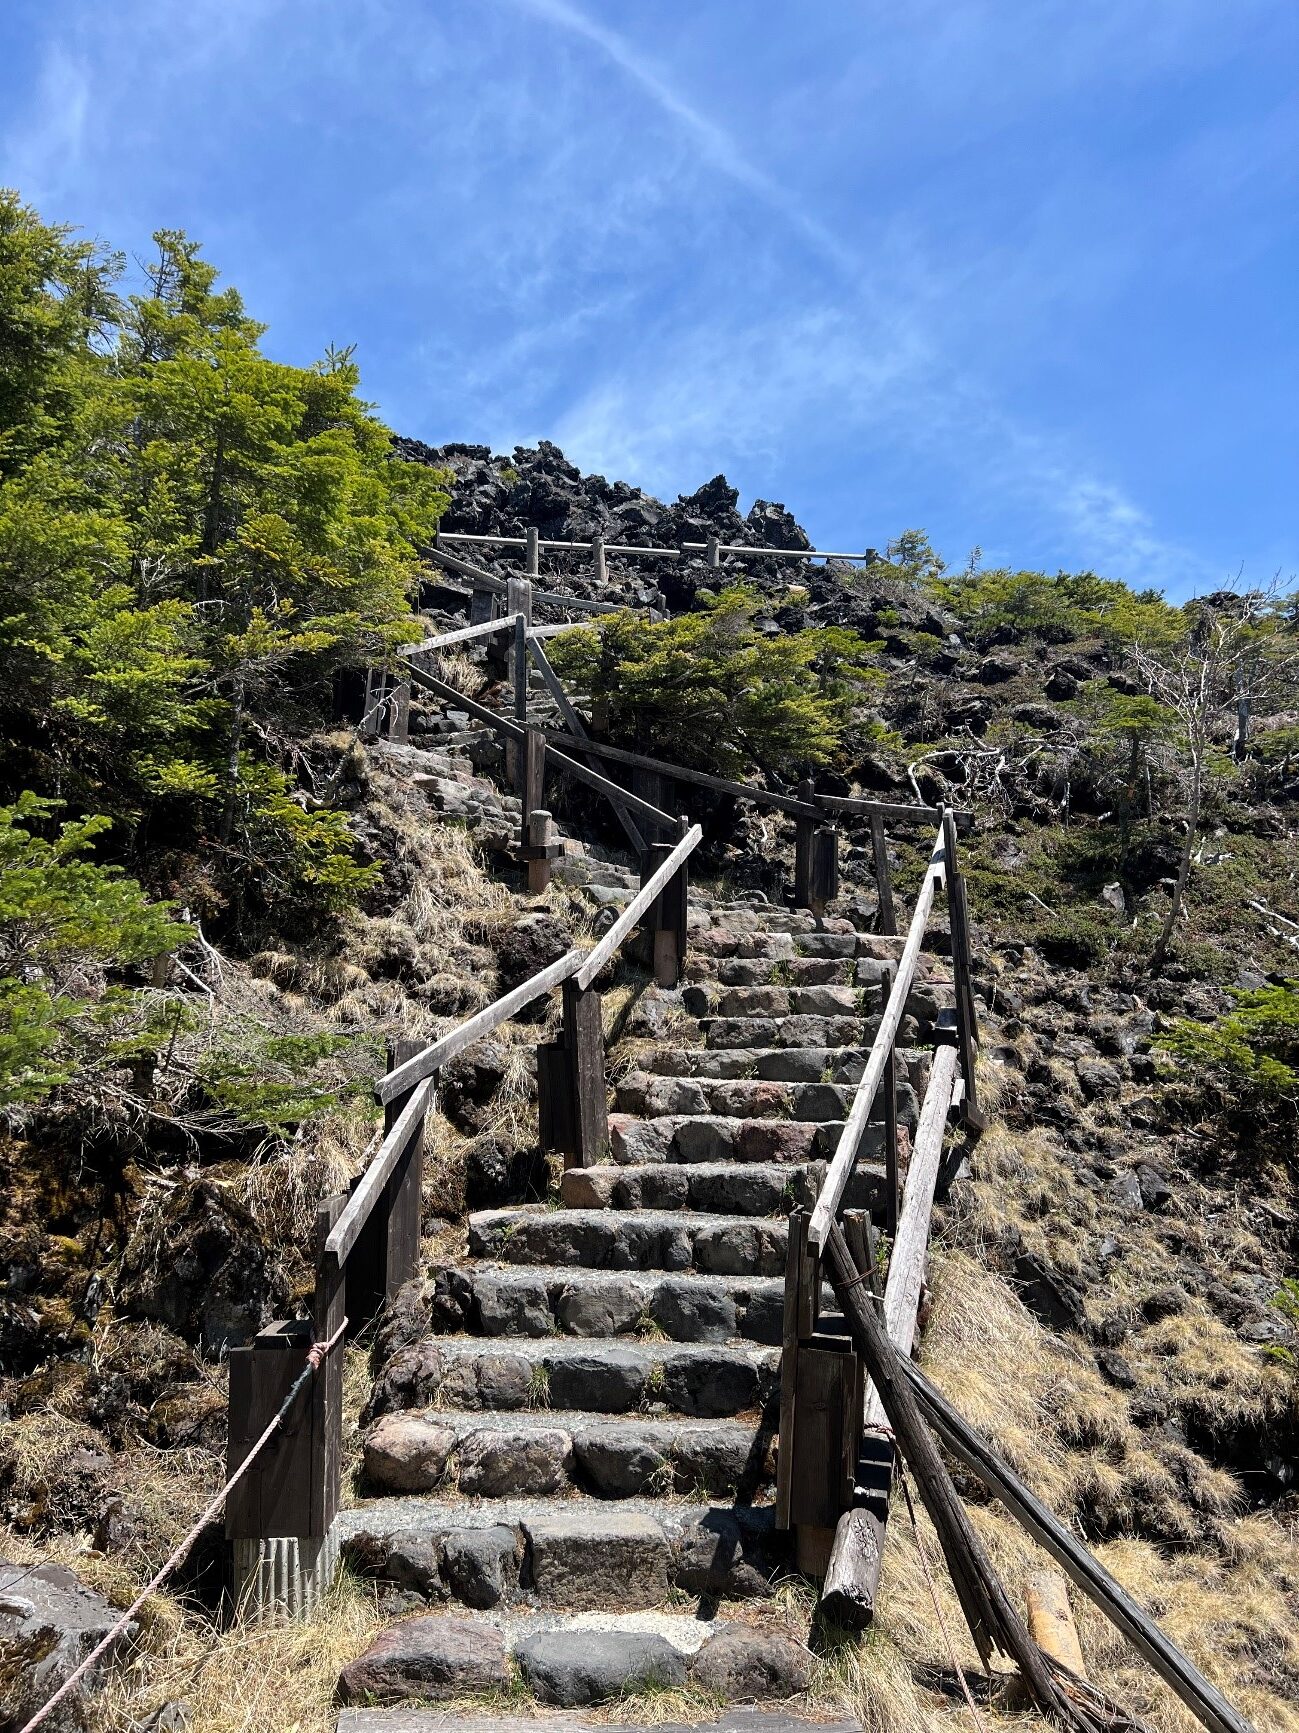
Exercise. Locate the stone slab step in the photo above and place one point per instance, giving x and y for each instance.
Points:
(558, 1450)
(731, 1187)
(570, 1661)
(711, 1137)
(800, 1031)
(598, 1375)
(773, 1000)
(576, 1553)
(726, 942)
(541, 1301)
(436, 1721)
(779, 1064)
(790, 971)
(646, 1096)
(722, 1245)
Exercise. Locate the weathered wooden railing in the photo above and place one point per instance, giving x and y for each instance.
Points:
(830, 1419)
(281, 1516)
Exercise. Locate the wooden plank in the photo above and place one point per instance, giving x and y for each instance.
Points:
(601, 953)
(532, 557)
(966, 1020)
(555, 1100)
(385, 1250)
(827, 1410)
(274, 1497)
(566, 547)
(343, 1235)
(1177, 1671)
(803, 833)
(437, 1053)
(481, 580)
(482, 605)
(462, 635)
(845, 1155)
(584, 1040)
(532, 757)
(795, 1245)
(575, 725)
(894, 809)
(404, 1201)
(538, 851)
(889, 1084)
(556, 631)
(501, 724)
(823, 869)
(700, 778)
(886, 913)
(1050, 1620)
(327, 1316)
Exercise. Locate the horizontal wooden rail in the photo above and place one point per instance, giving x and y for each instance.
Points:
(482, 580)
(596, 959)
(577, 727)
(895, 809)
(535, 632)
(770, 553)
(433, 1057)
(701, 778)
(480, 712)
(558, 547)
(612, 791)
(461, 636)
(840, 1170)
(346, 1230)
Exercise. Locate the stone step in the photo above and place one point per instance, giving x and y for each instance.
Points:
(783, 1001)
(581, 1554)
(761, 971)
(724, 942)
(648, 1097)
(558, 1450)
(729, 1187)
(440, 1721)
(777, 1064)
(720, 1245)
(550, 1301)
(851, 1031)
(711, 1137)
(567, 1661)
(599, 1375)
(767, 918)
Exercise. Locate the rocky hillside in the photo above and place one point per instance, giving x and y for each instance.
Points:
(1119, 1241)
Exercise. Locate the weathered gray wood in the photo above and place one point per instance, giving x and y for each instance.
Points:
(667, 916)
(886, 915)
(575, 725)
(584, 1039)
(1203, 1699)
(845, 1155)
(804, 830)
(889, 1084)
(770, 553)
(532, 778)
(532, 558)
(852, 1574)
(480, 712)
(437, 1053)
(827, 1425)
(966, 1017)
(462, 635)
(795, 1247)
(399, 711)
(700, 778)
(550, 598)
(601, 953)
(894, 809)
(538, 850)
(565, 547)
(482, 605)
(823, 869)
(372, 1182)
(327, 1317)
(712, 552)
(993, 1621)
(597, 555)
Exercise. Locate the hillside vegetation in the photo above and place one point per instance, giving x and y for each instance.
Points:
(216, 903)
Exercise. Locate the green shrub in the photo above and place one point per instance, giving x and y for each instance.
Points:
(1250, 1055)
(1076, 939)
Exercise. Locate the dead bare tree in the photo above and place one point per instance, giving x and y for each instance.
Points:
(1241, 649)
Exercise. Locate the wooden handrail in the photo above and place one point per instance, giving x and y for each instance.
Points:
(462, 635)
(347, 1229)
(501, 724)
(433, 1057)
(596, 959)
(841, 1166)
(551, 598)
(613, 792)
(679, 773)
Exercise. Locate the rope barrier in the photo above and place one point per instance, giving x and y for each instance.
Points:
(316, 1356)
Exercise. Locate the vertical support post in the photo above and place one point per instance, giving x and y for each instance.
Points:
(386, 1252)
(518, 602)
(533, 555)
(712, 557)
(804, 829)
(886, 918)
(597, 554)
(823, 873)
(537, 852)
(533, 780)
(667, 917)
(398, 713)
(482, 606)
(795, 1253)
(889, 1089)
(327, 1315)
(967, 1032)
(584, 1037)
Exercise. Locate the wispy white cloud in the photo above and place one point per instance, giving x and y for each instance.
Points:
(44, 146)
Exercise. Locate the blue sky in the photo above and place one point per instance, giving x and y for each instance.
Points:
(1022, 272)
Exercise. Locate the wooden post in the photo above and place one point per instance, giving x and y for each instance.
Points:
(327, 1314)
(533, 756)
(886, 918)
(967, 1029)
(711, 555)
(540, 850)
(597, 553)
(889, 1089)
(518, 602)
(827, 1429)
(666, 917)
(804, 830)
(573, 1103)
(398, 715)
(795, 1255)
(482, 606)
(386, 1252)
(823, 869)
(533, 555)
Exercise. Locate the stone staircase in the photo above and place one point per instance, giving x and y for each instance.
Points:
(570, 1443)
